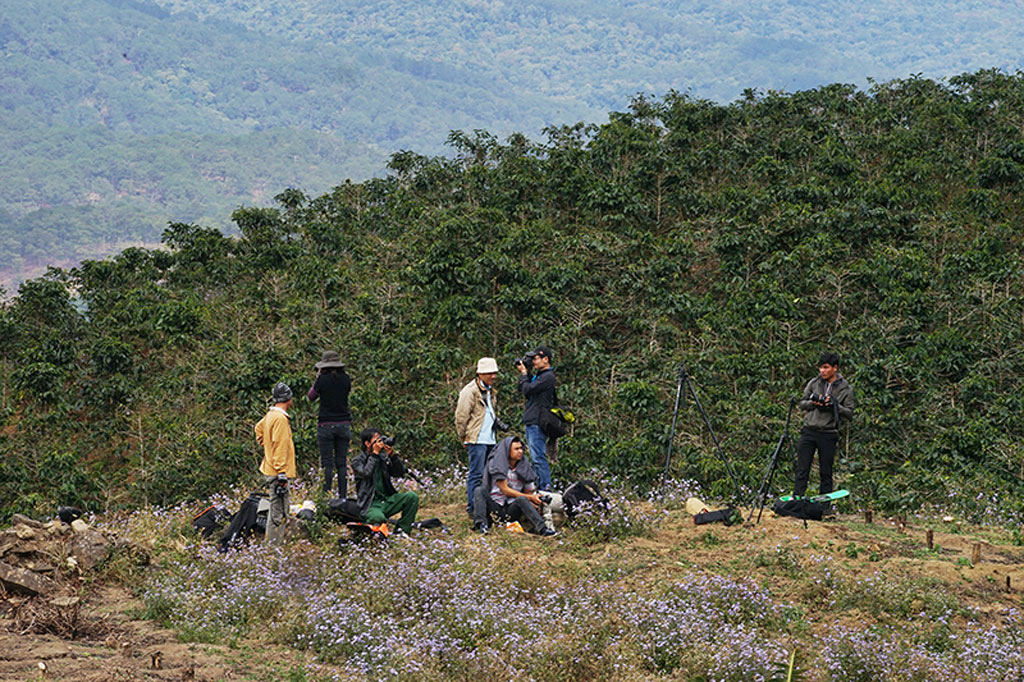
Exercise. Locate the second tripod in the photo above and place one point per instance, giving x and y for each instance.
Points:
(684, 385)
(766, 483)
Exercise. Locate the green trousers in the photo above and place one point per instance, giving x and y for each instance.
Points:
(407, 503)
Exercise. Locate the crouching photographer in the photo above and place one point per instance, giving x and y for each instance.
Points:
(373, 467)
(509, 490)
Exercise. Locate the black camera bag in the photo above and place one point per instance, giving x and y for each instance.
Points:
(552, 424)
(801, 509)
(728, 516)
(582, 493)
(344, 509)
(210, 520)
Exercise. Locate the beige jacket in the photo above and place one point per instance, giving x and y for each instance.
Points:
(470, 412)
(274, 433)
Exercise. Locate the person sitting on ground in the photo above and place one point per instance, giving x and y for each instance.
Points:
(509, 490)
(373, 467)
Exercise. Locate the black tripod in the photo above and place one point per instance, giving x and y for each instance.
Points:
(763, 492)
(684, 383)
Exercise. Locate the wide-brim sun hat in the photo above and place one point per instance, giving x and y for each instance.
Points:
(329, 358)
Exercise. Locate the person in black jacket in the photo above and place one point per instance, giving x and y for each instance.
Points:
(827, 398)
(334, 421)
(539, 390)
(373, 467)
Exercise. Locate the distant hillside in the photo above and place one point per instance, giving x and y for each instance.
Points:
(119, 116)
(741, 240)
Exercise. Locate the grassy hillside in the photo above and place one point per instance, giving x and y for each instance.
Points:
(742, 240)
(639, 594)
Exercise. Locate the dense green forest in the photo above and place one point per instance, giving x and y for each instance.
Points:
(741, 239)
(119, 116)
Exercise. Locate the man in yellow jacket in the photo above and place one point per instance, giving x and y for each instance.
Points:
(274, 433)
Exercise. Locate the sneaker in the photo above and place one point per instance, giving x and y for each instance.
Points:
(482, 528)
(547, 533)
(829, 512)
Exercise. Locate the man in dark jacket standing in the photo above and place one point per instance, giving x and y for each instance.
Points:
(540, 397)
(827, 399)
(373, 467)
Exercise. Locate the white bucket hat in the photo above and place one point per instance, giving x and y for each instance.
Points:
(486, 366)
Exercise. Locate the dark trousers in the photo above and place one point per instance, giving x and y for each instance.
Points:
(516, 509)
(825, 443)
(333, 440)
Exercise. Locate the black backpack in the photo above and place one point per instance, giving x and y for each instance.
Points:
(344, 509)
(582, 493)
(801, 509)
(245, 523)
(210, 520)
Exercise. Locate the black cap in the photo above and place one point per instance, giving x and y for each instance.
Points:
(543, 350)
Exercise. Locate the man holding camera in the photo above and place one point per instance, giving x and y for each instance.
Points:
(539, 390)
(274, 433)
(373, 467)
(827, 399)
(509, 490)
(476, 421)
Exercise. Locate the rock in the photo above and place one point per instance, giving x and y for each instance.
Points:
(24, 532)
(38, 566)
(24, 520)
(137, 554)
(63, 602)
(89, 547)
(79, 526)
(7, 541)
(56, 528)
(25, 548)
(24, 581)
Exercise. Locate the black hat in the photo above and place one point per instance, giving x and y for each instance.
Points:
(282, 393)
(543, 350)
(329, 358)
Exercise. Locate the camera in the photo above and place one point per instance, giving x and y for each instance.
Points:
(526, 361)
(818, 398)
(389, 441)
(500, 425)
(546, 499)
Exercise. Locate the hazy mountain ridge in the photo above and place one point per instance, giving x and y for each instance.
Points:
(100, 96)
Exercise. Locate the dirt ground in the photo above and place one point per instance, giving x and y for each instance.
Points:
(111, 644)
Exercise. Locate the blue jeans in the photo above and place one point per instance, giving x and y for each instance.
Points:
(477, 459)
(538, 444)
(334, 440)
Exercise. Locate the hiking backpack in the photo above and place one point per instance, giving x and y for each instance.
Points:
(582, 494)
